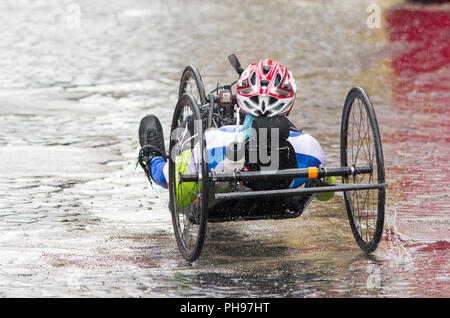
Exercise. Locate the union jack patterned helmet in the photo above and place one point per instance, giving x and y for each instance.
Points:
(266, 89)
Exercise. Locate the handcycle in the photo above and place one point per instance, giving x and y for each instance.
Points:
(193, 197)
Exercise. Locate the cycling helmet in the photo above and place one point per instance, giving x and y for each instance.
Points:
(266, 89)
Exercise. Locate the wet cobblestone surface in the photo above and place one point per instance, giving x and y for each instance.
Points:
(77, 218)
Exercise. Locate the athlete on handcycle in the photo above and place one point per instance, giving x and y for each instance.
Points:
(266, 140)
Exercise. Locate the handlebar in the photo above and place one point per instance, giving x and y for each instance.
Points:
(223, 109)
(235, 63)
(238, 68)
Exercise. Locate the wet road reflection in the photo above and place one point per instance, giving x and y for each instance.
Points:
(77, 219)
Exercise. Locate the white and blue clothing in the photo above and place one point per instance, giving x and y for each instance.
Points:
(307, 149)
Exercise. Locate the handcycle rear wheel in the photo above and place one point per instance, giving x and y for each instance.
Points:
(188, 201)
(361, 145)
(191, 83)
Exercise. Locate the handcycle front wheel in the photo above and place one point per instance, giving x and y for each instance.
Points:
(191, 83)
(361, 146)
(188, 201)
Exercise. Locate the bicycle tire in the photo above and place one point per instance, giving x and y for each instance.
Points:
(365, 209)
(188, 201)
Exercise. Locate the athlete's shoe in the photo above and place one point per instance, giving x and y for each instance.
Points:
(151, 138)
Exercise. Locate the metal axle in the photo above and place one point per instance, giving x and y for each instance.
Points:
(312, 173)
(296, 192)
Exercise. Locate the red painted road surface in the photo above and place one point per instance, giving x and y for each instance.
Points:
(419, 136)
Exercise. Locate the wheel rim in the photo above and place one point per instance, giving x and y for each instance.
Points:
(192, 89)
(187, 202)
(192, 84)
(363, 147)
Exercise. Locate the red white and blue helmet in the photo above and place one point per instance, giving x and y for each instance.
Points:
(266, 89)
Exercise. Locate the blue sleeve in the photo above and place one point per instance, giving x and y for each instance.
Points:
(304, 161)
(156, 167)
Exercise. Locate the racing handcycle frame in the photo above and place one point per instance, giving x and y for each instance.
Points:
(361, 170)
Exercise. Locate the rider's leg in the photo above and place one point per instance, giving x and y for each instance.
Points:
(152, 156)
(159, 171)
